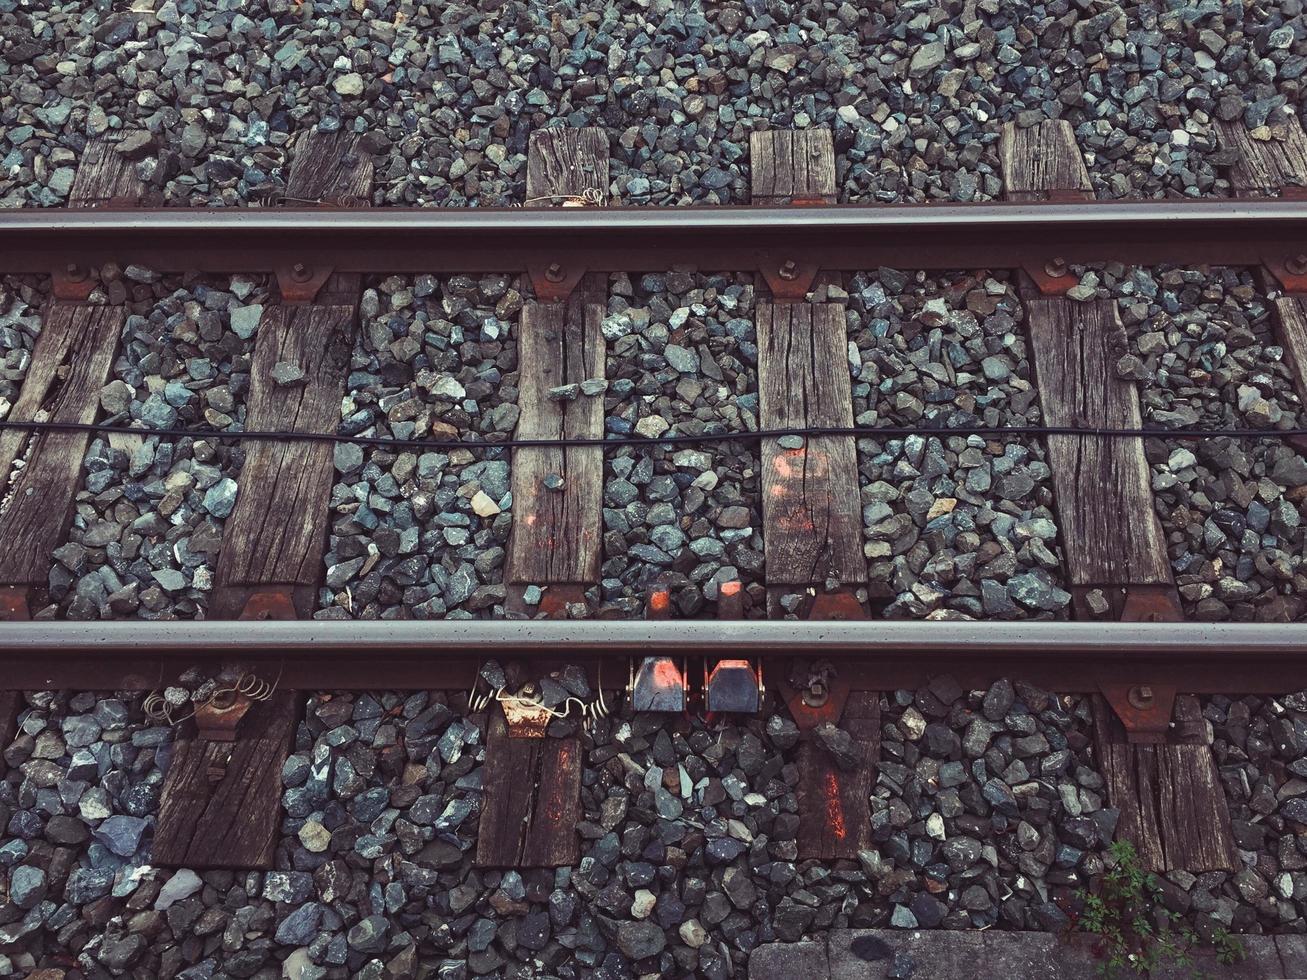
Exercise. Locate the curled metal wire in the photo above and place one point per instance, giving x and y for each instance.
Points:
(158, 708)
(590, 197)
(590, 711)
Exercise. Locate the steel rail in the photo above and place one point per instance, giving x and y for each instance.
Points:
(997, 234)
(875, 655)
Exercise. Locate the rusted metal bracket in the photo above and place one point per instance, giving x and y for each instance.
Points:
(841, 605)
(556, 599)
(525, 715)
(1287, 265)
(270, 604)
(1144, 710)
(552, 282)
(13, 603)
(820, 699)
(1051, 277)
(217, 719)
(788, 277)
(300, 283)
(1152, 604)
(1145, 707)
(72, 284)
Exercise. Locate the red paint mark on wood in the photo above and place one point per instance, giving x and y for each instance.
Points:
(834, 807)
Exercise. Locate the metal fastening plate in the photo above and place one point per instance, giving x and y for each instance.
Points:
(216, 720)
(72, 284)
(841, 605)
(788, 277)
(13, 603)
(557, 598)
(526, 716)
(1151, 604)
(270, 604)
(300, 283)
(552, 282)
(1144, 709)
(821, 699)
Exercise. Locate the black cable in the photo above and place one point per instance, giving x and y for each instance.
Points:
(890, 432)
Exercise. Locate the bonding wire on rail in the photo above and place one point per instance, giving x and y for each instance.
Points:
(886, 432)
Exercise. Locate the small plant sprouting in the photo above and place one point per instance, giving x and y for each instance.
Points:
(1136, 933)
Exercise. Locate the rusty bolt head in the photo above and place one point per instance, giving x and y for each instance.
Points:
(816, 695)
(1140, 697)
(1056, 268)
(1296, 264)
(789, 270)
(300, 272)
(75, 272)
(554, 272)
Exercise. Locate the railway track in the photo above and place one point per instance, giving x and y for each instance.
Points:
(803, 633)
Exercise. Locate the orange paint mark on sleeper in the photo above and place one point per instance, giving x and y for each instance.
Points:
(834, 806)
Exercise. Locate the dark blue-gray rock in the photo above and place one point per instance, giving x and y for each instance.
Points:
(839, 744)
(301, 926)
(27, 886)
(640, 940)
(121, 833)
(998, 700)
(85, 885)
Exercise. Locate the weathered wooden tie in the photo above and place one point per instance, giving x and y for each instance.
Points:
(272, 544)
(221, 801)
(1277, 164)
(812, 514)
(533, 783)
(11, 702)
(1111, 536)
(70, 363)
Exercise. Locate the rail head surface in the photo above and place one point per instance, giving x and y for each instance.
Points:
(991, 234)
(1065, 656)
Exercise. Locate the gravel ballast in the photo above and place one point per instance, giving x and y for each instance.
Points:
(987, 810)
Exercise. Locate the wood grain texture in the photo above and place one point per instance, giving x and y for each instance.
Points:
(104, 176)
(236, 821)
(330, 168)
(785, 164)
(1041, 158)
(812, 518)
(1173, 806)
(277, 531)
(1110, 531)
(564, 163)
(1263, 166)
(556, 533)
(531, 802)
(11, 702)
(70, 364)
(1290, 316)
(834, 804)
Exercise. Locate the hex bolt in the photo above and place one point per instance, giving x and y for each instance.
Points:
(1140, 697)
(1297, 264)
(300, 272)
(789, 270)
(1056, 268)
(75, 272)
(554, 272)
(816, 695)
